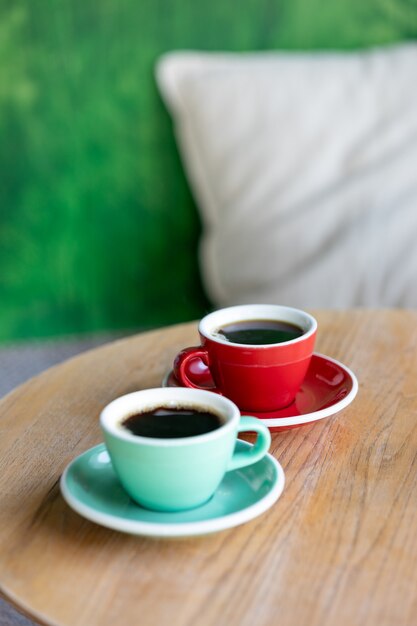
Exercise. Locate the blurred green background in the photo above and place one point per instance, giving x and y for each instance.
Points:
(98, 229)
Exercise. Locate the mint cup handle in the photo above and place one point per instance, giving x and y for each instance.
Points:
(258, 450)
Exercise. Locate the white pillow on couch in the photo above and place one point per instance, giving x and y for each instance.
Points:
(304, 168)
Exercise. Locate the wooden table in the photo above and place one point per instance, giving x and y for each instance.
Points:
(339, 547)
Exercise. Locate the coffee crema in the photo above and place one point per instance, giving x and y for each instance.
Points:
(172, 423)
(259, 332)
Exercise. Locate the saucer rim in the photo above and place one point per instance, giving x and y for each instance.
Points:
(305, 418)
(182, 529)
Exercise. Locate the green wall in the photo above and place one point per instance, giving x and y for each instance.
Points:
(98, 229)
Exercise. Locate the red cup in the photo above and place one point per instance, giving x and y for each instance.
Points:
(255, 377)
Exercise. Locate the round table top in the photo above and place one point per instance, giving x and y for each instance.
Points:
(338, 546)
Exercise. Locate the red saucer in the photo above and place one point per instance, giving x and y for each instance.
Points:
(329, 387)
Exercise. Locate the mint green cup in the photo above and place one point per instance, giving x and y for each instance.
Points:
(181, 473)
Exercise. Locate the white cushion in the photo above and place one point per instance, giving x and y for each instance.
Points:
(304, 168)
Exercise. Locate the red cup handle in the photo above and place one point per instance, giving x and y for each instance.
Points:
(183, 371)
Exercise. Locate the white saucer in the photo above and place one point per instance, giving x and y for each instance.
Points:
(90, 487)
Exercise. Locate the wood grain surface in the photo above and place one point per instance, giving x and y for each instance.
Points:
(337, 548)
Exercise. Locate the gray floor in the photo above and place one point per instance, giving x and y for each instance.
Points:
(18, 363)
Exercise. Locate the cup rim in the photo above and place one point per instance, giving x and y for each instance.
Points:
(256, 311)
(125, 405)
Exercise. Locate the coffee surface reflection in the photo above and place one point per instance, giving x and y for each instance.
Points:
(171, 423)
(259, 332)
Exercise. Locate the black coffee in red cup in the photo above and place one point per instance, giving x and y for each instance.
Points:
(257, 355)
